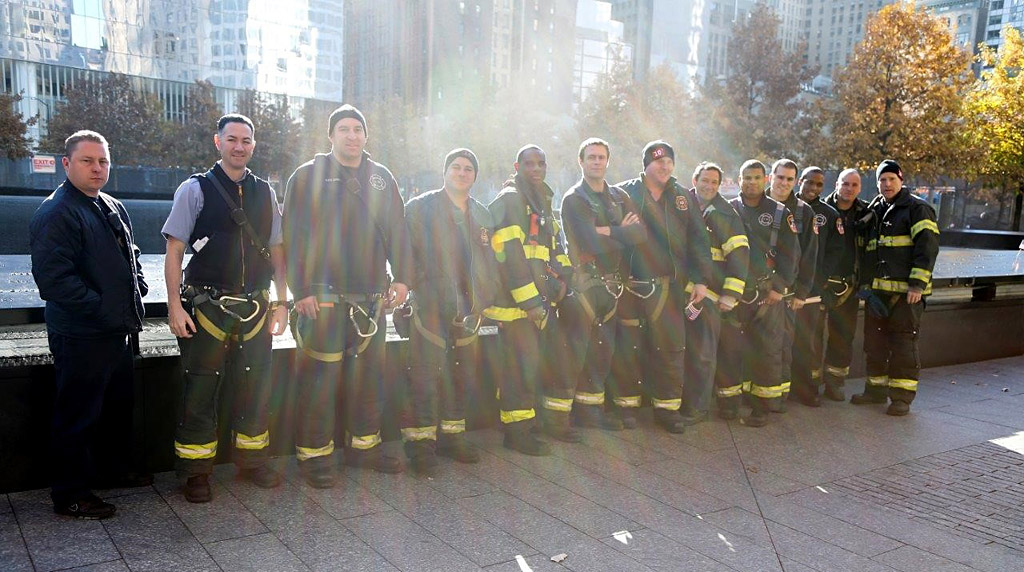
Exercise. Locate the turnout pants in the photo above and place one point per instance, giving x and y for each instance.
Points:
(565, 343)
(92, 414)
(657, 327)
(443, 361)
(750, 357)
(788, 339)
(702, 335)
(890, 345)
(338, 353)
(807, 349)
(225, 347)
(517, 384)
(842, 324)
(596, 333)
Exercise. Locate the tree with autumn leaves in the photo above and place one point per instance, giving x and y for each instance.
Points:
(14, 141)
(994, 130)
(900, 96)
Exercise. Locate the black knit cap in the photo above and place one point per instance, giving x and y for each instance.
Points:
(888, 166)
(465, 154)
(343, 112)
(656, 150)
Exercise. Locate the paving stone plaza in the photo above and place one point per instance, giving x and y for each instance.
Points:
(835, 488)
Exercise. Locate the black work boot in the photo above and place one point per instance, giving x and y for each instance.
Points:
(455, 446)
(669, 420)
(88, 507)
(262, 476)
(422, 458)
(806, 395)
(628, 417)
(834, 392)
(318, 472)
(557, 426)
(373, 458)
(594, 417)
(521, 439)
(197, 489)
(898, 408)
(867, 398)
(758, 413)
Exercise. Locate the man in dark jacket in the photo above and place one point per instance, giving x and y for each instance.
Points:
(677, 253)
(783, 181)
(753, 336)
(226, 291)
(344, 221)
(730, 257)
(810, 320)
(903, 243)
(839, 294)
(601, 223)
(455, 280)
(532, 270)
(86, 266)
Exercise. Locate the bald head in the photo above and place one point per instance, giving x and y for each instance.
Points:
(847, 188)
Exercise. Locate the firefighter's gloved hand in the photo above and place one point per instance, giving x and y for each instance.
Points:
(538, 316)
(402, 319)
(873, 303)
(864, 222)
(556, 289)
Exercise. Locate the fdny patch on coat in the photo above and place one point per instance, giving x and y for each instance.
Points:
(681, 203)
(819, 221)
(485, 239)
(792, 224)
(839, 226)
(765, 219)
(377, 182)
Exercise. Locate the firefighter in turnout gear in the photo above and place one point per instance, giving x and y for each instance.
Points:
(344, 222)
(753, 336)
(839, 293)
(810, 320)
(601, 222)
(533, 271)
(221, 313)
(730, 256)
(455, 280)
(902, 245)
(676, 254)
(783, 181)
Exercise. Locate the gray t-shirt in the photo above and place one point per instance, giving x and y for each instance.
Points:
(188, 203)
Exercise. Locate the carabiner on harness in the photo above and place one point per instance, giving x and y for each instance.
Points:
(352, 317)
(651, 283)
(470, 323)
(233, 301)
(614, 287)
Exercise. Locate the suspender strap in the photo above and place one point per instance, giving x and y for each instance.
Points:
(776, 224)
(238, 216)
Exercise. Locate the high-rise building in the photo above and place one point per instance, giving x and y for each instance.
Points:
(289, 49)
(599, 46)
(426, 50)
(691, 36)
(1002, 13)
(965, 20)
(833, 28)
